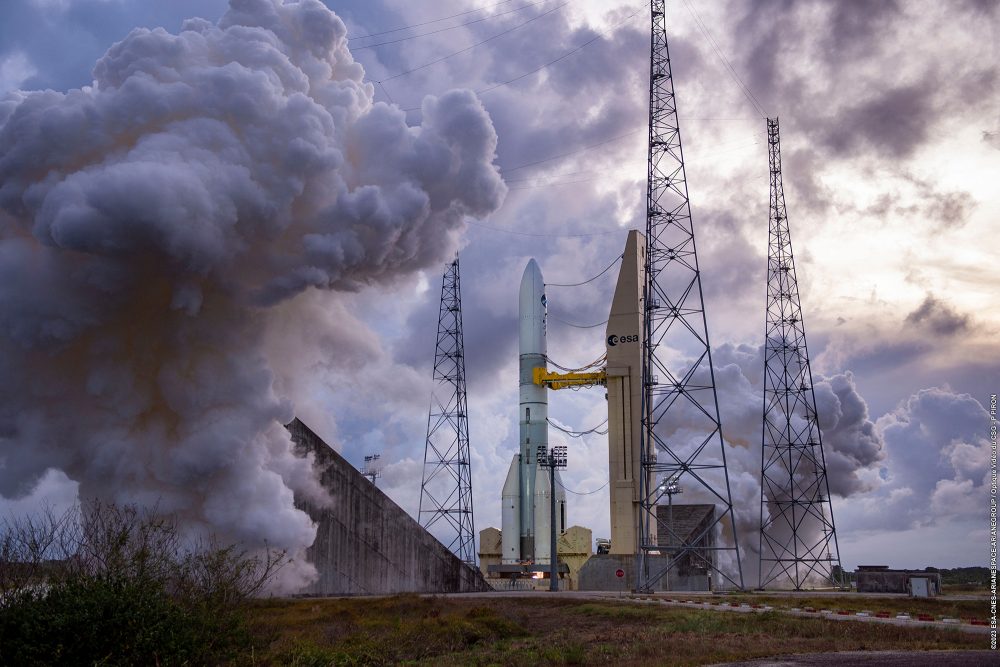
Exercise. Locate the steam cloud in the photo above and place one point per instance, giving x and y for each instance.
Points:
(150, 223)
(852, 445)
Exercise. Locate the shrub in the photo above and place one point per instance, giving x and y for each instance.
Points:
(113, 585)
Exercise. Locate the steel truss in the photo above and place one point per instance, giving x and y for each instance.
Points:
(446, 490)
(798, 540)
(681, 437)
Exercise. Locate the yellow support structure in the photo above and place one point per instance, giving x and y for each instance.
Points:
(542, 376)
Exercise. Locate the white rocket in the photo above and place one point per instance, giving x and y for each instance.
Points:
(526, 493)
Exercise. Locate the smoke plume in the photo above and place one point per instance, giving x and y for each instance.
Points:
(852, 446)
(151, 222)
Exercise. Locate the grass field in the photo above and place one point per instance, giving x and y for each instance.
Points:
(530, 631)
(939, 607)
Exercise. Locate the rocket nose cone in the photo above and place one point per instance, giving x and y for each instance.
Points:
(532, 273)
(532, 292)
(531, 310)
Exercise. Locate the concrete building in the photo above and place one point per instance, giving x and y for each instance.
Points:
(880, 579)
(687, 527)
(365, 543)
(574, 549)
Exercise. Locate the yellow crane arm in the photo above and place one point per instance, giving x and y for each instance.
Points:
(542, 376)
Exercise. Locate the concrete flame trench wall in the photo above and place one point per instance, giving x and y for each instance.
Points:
(365, 543)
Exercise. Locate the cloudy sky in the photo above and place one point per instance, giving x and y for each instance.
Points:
(890, 121)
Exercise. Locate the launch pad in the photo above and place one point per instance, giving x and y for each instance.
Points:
(526, 524)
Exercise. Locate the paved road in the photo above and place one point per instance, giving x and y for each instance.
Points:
(877, 659)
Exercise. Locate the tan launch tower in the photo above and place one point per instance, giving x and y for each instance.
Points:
(624, 338)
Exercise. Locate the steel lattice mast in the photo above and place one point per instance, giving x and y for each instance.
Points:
(681, 432)
(446, 490)
(798, 539)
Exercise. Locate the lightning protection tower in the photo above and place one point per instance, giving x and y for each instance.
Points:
(798, 541)
(681, 435)
(446, 490)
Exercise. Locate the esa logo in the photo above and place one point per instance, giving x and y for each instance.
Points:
(616, 340)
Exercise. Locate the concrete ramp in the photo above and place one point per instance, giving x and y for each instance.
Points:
(365, 543)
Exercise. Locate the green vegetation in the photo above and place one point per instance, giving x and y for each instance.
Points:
(938, 607)
(552, 631)
(115, 586)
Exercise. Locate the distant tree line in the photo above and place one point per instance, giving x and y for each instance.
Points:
(962, 576)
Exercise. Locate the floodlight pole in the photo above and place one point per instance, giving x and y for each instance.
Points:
(554, 559)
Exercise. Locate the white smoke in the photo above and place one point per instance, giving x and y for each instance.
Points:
(852, 447)
(149, 225)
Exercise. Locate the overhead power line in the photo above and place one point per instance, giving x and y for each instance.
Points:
(554, 60)
(563, 56)
(420, 25)
(537, 235)
(754, 102)
(525, 165)
(477, 44)
(451, 27)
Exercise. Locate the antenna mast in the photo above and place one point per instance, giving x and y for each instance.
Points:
(446, 489)
(798, 539)
(681, 437)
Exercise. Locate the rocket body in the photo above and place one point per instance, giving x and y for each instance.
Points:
(526, 523)
(534, 403)
(518, 526)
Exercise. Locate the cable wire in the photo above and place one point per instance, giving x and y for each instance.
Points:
(754, 102)
(419, 25)
(563, 56)
(582, 493)
(439, 30)
(594, 364)
(579, 434)
(540, 236)
(553, 61)
(469, 48)
(579, 150)
(575, 325)
(589, 280)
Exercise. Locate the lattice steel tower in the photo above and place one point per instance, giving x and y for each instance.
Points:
(798, 540)
(446, 490)
(681, 433)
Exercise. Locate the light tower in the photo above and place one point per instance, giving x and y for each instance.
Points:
(446, 490)
(797, 535)
(681, 439)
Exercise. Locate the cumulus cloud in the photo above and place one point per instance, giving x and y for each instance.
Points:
(852, 447)
(157, 228)
(937, 465)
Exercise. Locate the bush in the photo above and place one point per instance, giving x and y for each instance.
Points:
(115, 586)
